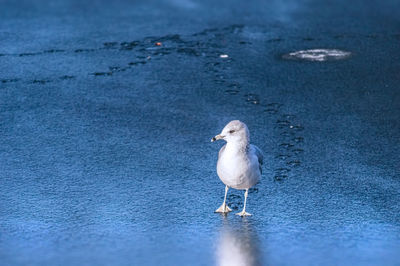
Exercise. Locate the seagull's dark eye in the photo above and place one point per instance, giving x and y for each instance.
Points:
(231, 131)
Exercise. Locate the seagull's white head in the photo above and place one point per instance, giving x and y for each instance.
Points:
(234, 132)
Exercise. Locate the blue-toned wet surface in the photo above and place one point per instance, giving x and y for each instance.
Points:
(105, 153)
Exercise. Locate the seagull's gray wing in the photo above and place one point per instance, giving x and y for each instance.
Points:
(259, 155)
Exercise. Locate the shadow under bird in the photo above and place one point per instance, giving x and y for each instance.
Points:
(239, 162)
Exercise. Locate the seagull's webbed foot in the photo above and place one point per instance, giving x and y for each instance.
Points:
(243, 213)
(223, 209)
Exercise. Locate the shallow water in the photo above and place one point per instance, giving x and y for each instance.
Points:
(105, 156)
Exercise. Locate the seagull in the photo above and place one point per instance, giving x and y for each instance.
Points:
(239, 162)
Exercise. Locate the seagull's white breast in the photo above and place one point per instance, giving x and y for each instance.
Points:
(238, 169)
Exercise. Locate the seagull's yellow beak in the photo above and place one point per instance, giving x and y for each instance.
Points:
(217, 137)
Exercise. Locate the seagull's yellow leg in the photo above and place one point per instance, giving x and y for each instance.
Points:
(224, 208)
(243, 212)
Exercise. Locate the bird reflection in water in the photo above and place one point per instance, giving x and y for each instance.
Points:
(238, 243)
